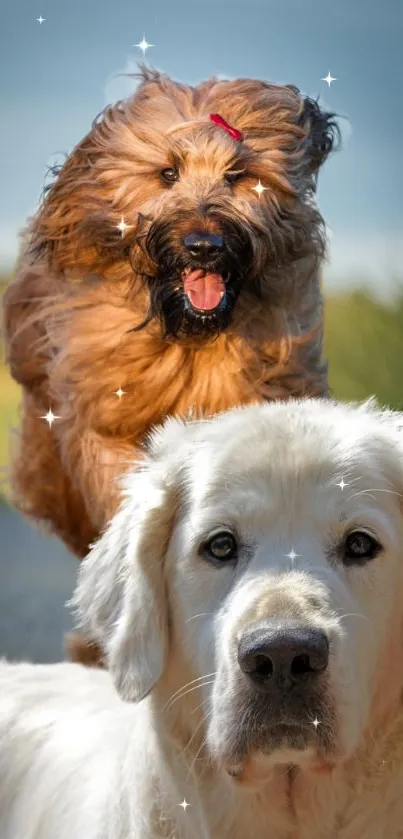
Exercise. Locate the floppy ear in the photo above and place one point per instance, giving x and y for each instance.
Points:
(322, 133)
(386, 441)
(76, 223)
(120, 599)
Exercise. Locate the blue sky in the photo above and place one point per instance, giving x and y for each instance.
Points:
(57, 76)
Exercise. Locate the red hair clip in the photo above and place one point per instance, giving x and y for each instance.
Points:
(233, 132)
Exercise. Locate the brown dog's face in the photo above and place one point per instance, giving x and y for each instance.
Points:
(159, 190)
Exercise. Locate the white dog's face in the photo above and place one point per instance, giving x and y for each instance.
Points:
(280, 528)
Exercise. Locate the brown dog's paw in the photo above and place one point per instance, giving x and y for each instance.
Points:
(82, 651)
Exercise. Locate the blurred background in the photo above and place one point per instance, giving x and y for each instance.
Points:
(61, 63)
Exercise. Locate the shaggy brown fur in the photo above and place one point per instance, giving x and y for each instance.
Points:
(82, 286)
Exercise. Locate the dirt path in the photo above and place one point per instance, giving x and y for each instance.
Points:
(36, 578)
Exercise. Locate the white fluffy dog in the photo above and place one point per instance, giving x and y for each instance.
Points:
(249, 599)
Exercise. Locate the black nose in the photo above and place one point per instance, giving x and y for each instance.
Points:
(204, 246)
(280, 655)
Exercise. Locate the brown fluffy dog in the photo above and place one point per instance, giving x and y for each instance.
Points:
(155, 267)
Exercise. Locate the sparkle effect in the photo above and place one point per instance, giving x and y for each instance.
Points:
(316, 722)
(122, 226)
(342, 484)
(50, 417)
(292, 555)
(119, 392)
(143, 45)
(259, 188)
(329, 79)
(184, 805)
(41, 19)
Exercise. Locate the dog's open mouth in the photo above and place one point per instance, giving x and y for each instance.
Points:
(204, 291)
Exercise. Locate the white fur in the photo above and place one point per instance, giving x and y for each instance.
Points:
(76, 761)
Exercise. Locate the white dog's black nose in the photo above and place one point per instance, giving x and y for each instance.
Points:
(275, 655)
(203, 246)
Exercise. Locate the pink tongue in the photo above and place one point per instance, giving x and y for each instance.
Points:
(203, 290)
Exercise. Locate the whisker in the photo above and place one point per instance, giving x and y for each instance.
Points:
(362, 493)
(191, 690)
(201, 615)
(188, 684)
(202, 744)
(202, 721)
(354, 615)
(376, 489)
(196, 757)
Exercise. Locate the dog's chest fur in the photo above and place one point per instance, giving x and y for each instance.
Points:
(86, 349)
(334, 809)
(360, 799)
(254, 360)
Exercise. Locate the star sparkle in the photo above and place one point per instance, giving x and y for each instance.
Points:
(316, 722)
(122, 226)
(143, 45)
(50, 417)
(119, 392)
(184, 805)
(329, 79)
(259, 188)
(41, 19)
(292, 555)
(342, 484)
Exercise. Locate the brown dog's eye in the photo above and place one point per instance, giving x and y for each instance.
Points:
(221, 547)
(233, 177)
(359, 547)
(170, 175)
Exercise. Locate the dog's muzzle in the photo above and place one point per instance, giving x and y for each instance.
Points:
(197, 275)
(283, 684)
(204, 287)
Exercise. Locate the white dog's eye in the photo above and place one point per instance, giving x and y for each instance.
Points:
(359, 547)
(221, 546)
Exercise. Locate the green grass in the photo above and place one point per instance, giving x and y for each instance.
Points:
(364, 347)
(9, 405)
(363, 344)
(9, 401)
